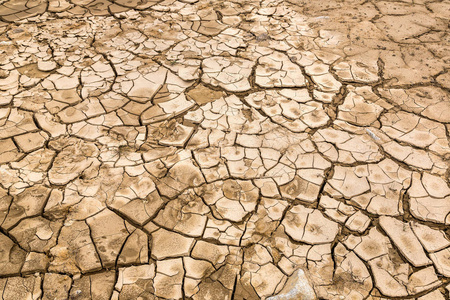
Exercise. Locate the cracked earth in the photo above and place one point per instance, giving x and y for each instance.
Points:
(192, 149)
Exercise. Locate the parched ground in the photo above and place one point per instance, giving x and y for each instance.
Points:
(219, 150)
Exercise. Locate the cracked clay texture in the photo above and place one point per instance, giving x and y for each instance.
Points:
(224, 150)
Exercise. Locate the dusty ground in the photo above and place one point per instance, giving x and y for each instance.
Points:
(224, 149)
